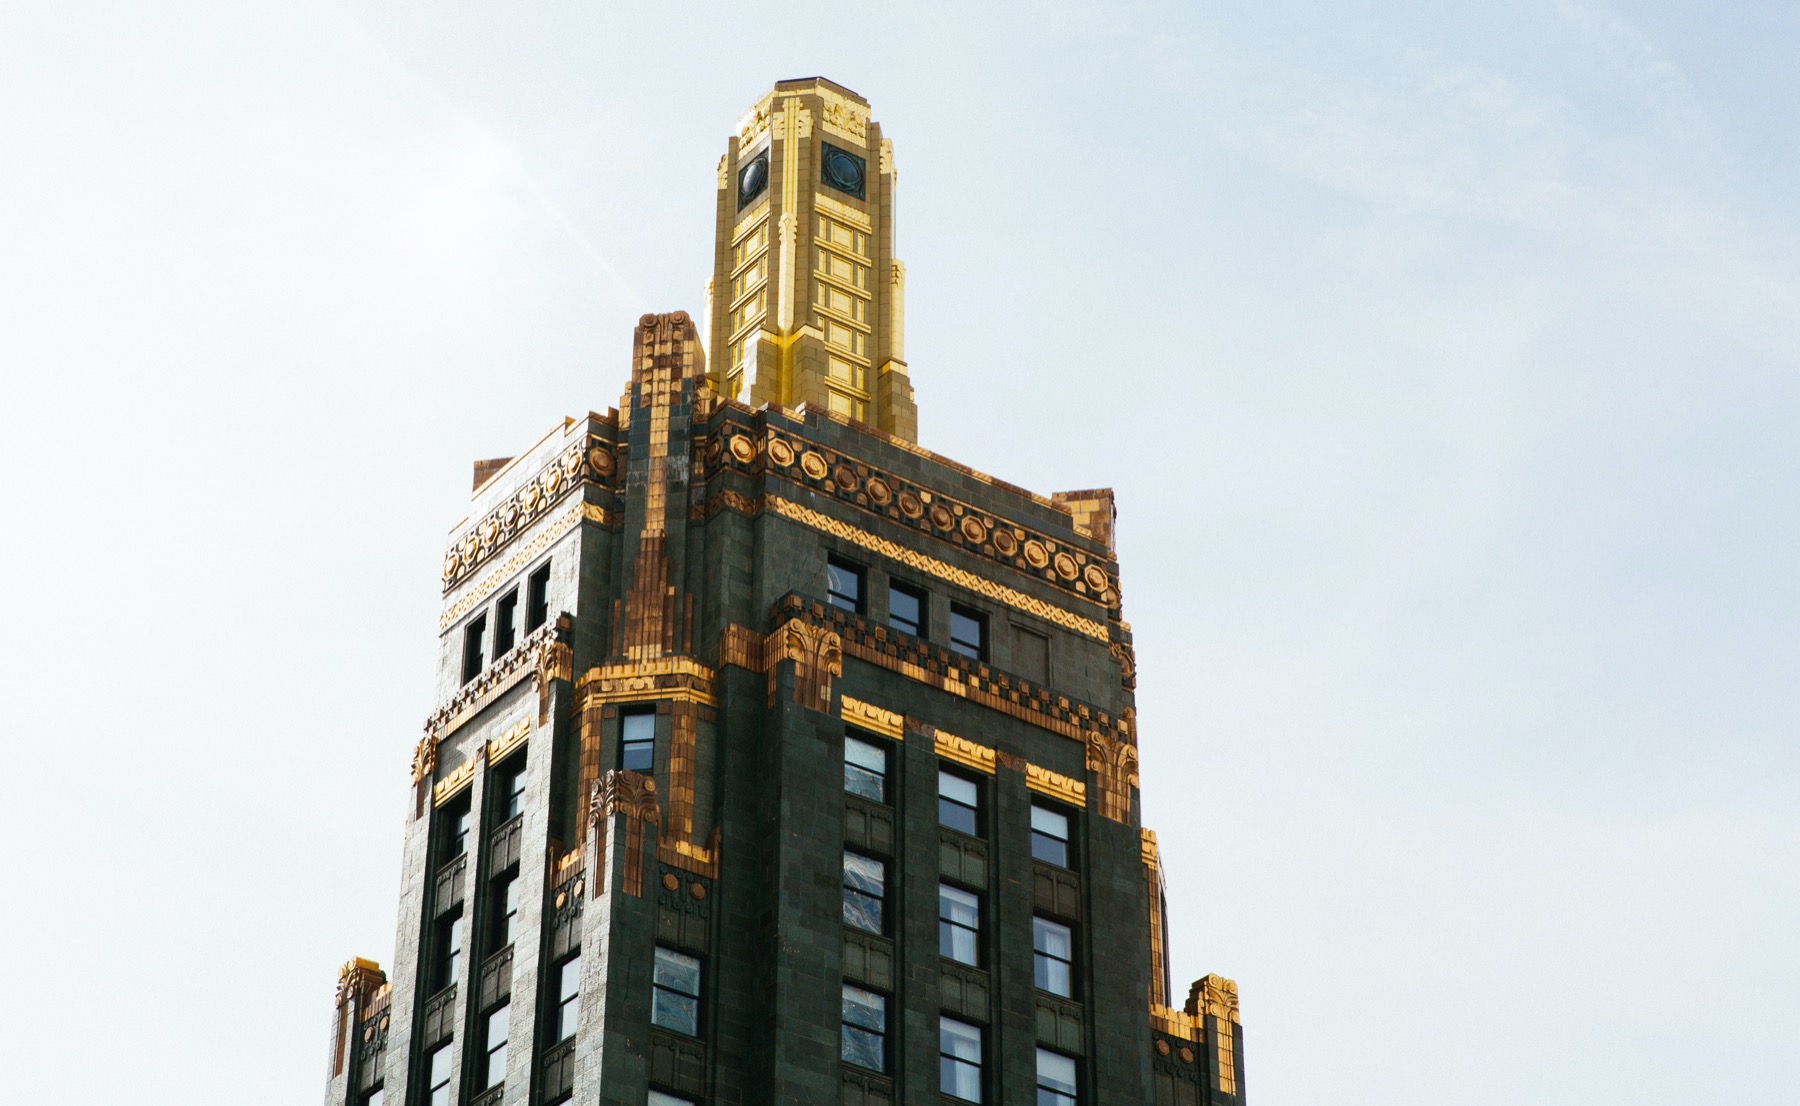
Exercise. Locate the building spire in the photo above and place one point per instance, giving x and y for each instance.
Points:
(805, 303)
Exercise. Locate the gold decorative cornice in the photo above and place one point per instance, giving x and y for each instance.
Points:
(508, 741)
(451, 786)
(677, 679)
(580, 463)
(554, 530)
(887, 723)
(963, 751)
(1000, 593)
(853, 481)
(1176, 1023)
(934, 667)
(524, 659)
(1055, 785)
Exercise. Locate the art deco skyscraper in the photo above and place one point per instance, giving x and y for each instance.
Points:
(779, 760)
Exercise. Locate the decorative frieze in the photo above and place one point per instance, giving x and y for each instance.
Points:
(854, 481)
(592, 462)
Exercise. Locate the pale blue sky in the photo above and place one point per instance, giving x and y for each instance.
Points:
(1445, 359)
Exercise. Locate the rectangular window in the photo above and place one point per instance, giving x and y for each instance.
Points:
(865, 885)
(968, 632)
(537, 598)
(637, 740)
(906, 609)
(865, 769)
(1031, 655)
(675, 992)
(1050, 836)
(1055, 1079)
(843, 585)
(959, 803)
(568, 995)
(658, 1098)
(473, 635)
(959, 1059)
(509, 797)
(449, 943)
(374, 1098)
(959, 925)
(1052, 957)
(456, 831)
(506, 623)
(437, 1079)
(506, 914)
(864, 1041)
(494, 1035)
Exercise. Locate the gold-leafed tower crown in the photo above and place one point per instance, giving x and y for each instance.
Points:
(805, 302)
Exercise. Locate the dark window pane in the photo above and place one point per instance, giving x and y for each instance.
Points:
(473, 635)
(861, 781)
(843, 586)
(677, 972)
(506, 614)
(674, 998)
(1050, 850)
(537, 601)
(906, 610)
(967, 633)
(865, 884)
(958, 801)
(678, 1012)
(637, 736)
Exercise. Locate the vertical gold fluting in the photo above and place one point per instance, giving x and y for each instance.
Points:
(631, 795)
(805, 303)
(1215, 999)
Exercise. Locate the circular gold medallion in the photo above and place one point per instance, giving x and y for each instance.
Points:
(1187, 1055)
(1065, 566)
(571, 463)
(696, 890)
(742, 449)
(529, 496)
(910, 505)
(601, 459)
(1095, 576)
(1005, 543)
(973, 530)
(879, 493)
(550, 480)
(1035, 556)
(780, 452)
(813, 465)
(670, 883)
(941, 516)
(562, 899)
(451, 561)
(845, 477)
(1162, 1048)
